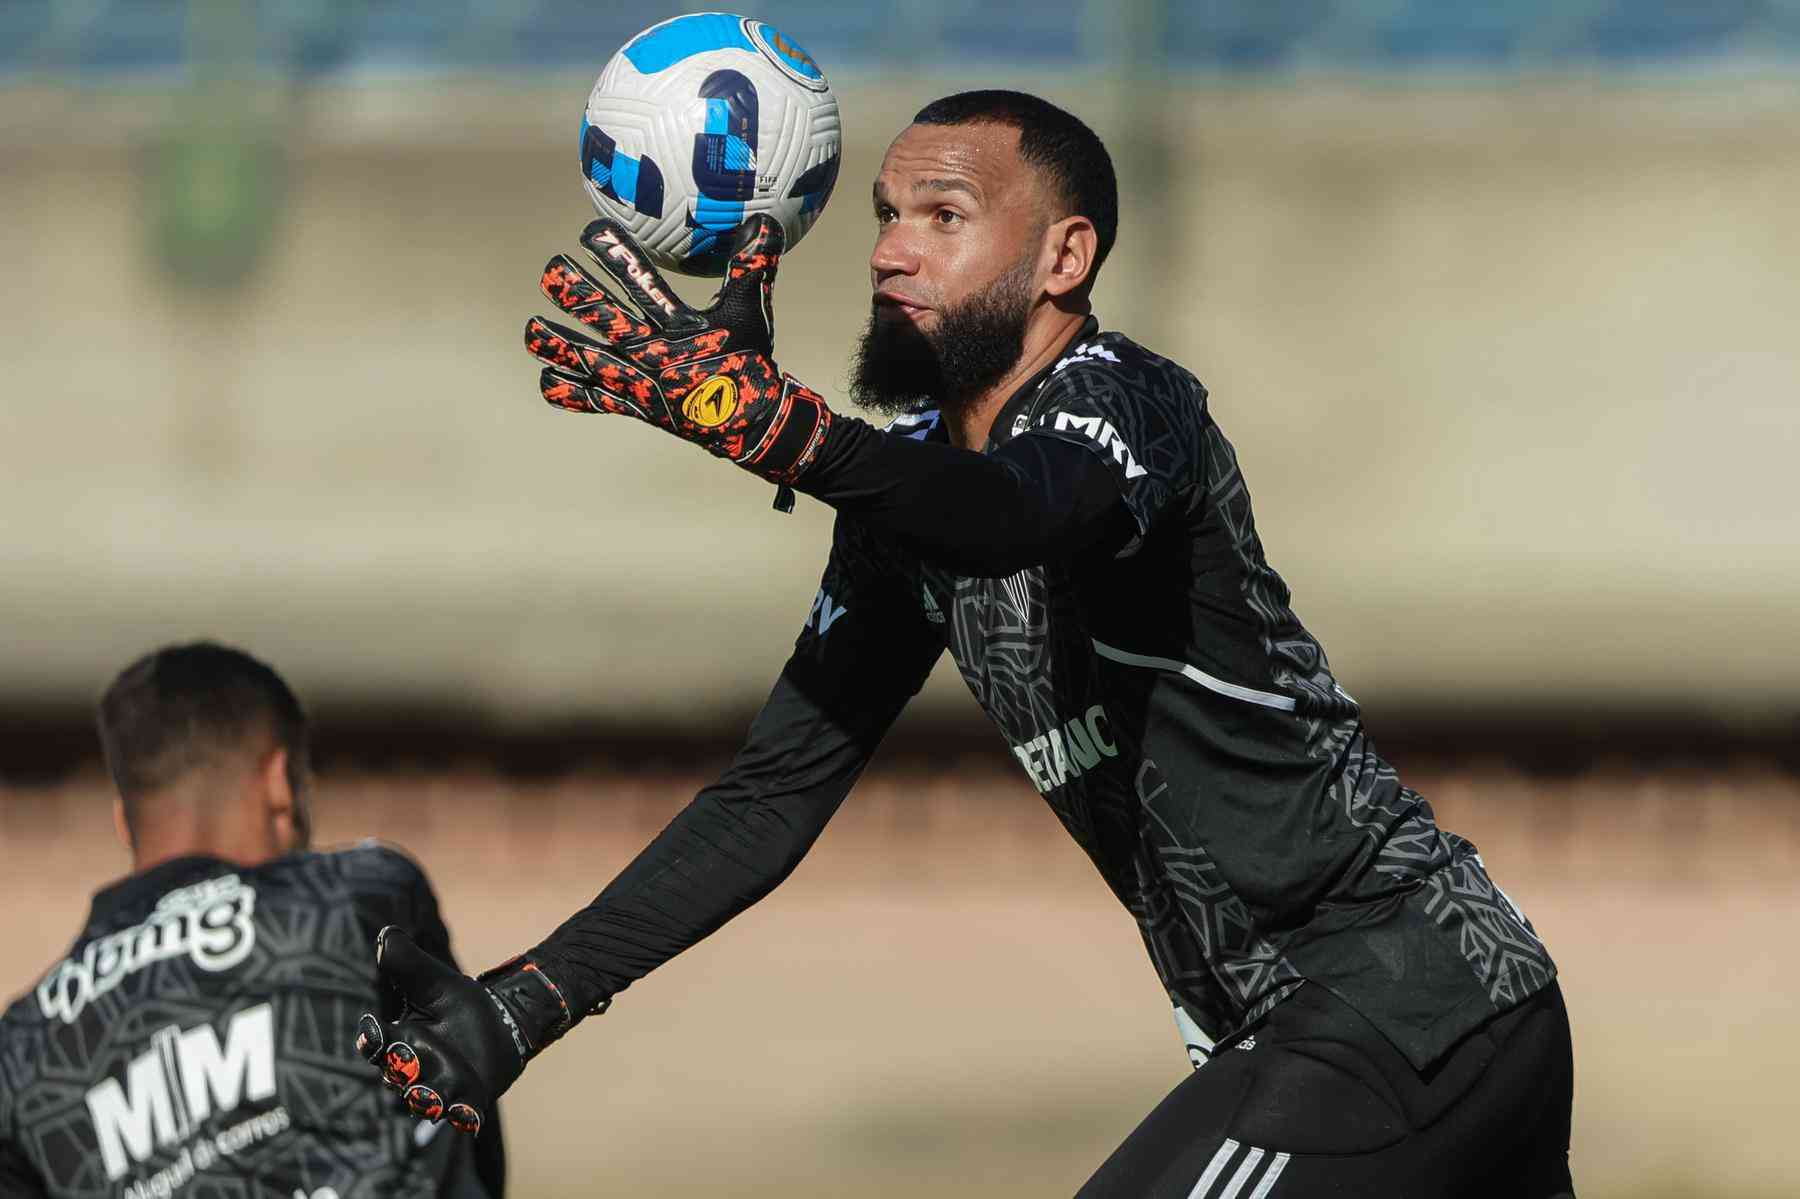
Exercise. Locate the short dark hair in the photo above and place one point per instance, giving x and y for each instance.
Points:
(176, 708)
(1071, 157)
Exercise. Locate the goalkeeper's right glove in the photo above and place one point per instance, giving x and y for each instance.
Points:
(452, 1044)
(705, 375)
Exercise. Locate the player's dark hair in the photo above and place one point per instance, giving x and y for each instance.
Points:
(180, 706)
(1071, 157)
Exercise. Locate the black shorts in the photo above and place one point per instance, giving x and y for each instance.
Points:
(1313, 1101)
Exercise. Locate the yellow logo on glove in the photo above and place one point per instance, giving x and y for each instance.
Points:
(712, 403)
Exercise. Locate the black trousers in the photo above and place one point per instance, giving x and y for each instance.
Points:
(1314, 1102)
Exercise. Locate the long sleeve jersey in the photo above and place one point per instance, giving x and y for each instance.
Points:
(1096, 574)
(195, 1041)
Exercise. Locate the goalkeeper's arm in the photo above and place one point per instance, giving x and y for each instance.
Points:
(453, 1044)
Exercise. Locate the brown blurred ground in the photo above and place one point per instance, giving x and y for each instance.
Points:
(944, 1000)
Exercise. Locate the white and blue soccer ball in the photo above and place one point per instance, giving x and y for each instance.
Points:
(701, 122)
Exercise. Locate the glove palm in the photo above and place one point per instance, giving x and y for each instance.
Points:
(452, 1044)
(706, 376)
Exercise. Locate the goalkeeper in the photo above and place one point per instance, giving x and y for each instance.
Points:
(1369, 1014)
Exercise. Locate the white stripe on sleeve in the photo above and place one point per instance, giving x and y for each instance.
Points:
(1266, 699)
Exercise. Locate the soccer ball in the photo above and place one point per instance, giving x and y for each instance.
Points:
(702, 121)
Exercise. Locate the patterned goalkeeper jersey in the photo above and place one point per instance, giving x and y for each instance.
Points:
(1154, 686)
(1186, 728)
(195, 1042)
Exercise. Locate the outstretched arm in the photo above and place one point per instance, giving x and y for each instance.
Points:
(453, 1044)
(741, 836)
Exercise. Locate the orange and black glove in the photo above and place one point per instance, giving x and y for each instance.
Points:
(451, 1044)
(706, 375)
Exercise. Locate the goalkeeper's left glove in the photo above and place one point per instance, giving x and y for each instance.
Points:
(451, 1044)
(705, 375)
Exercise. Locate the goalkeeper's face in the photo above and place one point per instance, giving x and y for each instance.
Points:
(958, 269)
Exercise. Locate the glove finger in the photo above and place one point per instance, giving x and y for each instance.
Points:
(424, 1102)
(369, 1037)
(626, 264)
(575, 292)
(464, 1118)
(400, 1065)
(746, 301)
(566, 349)
(420, 979)
(618, 389)
(415, 1063)
(760, 242)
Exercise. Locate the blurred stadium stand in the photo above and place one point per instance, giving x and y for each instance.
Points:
(97, 38)
(1506, 250)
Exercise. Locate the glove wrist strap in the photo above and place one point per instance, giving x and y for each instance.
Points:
(792, 440)
(530, 1005)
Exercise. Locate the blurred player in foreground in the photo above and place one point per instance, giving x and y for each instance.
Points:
(1369, 1014)
(193, 1039)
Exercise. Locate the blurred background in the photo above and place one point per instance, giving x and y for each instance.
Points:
(1497, 300)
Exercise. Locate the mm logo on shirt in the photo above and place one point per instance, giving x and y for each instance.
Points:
(1100, 431)
(182, 1080)
(1070, 751)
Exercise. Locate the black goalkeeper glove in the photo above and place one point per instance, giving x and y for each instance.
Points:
(706, 376)
(452, 1044)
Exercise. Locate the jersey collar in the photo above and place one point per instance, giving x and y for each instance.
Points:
(141, 890)
(1014, 414)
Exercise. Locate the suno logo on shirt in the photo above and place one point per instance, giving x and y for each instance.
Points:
(209, 923)
(1069, 751)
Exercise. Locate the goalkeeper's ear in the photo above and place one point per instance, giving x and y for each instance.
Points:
(1070, 252)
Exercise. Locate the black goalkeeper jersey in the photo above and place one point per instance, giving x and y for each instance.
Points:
(196, 1042)
(1098, 579)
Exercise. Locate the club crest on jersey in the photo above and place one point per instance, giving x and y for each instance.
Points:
(1101, 432)
(712, 403)
(209, 923)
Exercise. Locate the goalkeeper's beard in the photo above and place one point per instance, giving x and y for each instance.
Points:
(900, 368)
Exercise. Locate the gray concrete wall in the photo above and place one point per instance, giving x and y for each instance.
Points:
(1512, 373)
